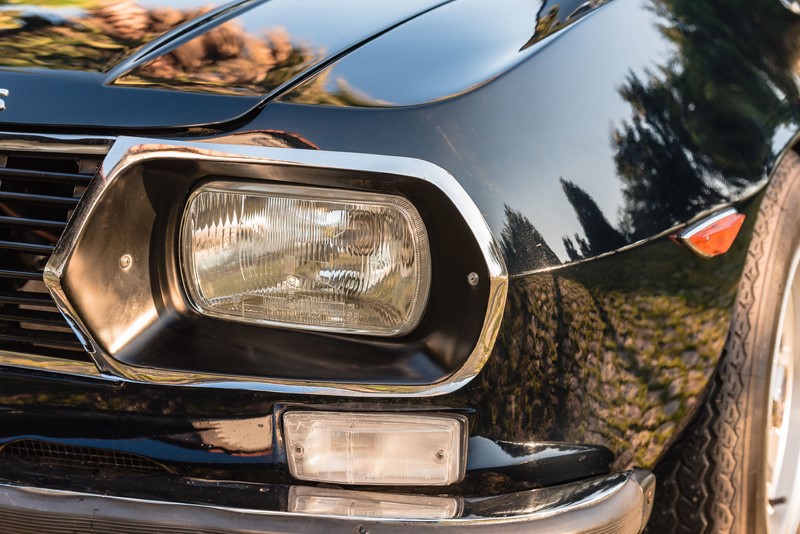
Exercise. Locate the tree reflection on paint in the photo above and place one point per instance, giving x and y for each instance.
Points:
(695, 128)
(614, 356)
(95, 35)
(87, 35)
(620, 355)
(523, 246)
(228, 59)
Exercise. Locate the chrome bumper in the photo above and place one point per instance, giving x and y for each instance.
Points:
(619, 504)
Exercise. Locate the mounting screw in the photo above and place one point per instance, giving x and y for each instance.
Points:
(439, 456)
(299, 451)
(125, 261)
(473, 279)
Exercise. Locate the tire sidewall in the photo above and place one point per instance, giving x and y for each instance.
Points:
(775, 246)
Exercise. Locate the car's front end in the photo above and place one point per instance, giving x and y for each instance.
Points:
(243, 427)
(306, 265)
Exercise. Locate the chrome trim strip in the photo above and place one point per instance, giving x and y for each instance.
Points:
(686, 235)
(612, 503)
(705, 223)
(48, 364)
(129, 151)
(80, 144)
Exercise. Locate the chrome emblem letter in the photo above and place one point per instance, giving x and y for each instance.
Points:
(3, 94)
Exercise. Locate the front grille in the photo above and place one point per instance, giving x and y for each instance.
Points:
(38, 194)
(30, 450)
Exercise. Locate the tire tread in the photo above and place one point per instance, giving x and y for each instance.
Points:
(698, 479)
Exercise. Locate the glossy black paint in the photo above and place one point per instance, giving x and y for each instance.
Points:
(537, 463)
(416, 64)
(133, 65)
(266, 47)
(197, 436)
(610, 131)
(54, 61)
(256, 496)
(630, 122)
(615, 352)
(602, 136)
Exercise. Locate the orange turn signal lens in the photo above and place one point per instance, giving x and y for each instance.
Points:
(715, 235)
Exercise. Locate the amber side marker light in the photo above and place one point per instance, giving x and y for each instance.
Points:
(713, 236)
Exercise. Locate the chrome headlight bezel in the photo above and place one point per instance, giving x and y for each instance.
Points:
(139, 324)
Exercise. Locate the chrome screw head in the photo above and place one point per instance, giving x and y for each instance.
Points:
(473, 279)
(125, 261)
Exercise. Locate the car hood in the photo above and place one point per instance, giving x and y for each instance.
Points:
(137, 64)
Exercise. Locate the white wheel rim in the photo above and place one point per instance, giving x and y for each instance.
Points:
(783, 418)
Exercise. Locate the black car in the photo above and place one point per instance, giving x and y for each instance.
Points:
(338, 265)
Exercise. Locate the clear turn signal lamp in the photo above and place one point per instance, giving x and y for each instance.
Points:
(345, 503)
(376, 448)
(306, 257)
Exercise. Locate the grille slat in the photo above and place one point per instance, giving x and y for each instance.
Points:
(58, 177)
(32, 248)
(31, 299)
(32, 316)
(38, 193)
(31, 223)
(62, 340)
(21, 275)
(38, 199)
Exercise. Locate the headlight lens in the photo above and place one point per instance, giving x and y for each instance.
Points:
(305, 257)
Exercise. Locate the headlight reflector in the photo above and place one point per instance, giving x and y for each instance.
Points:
(306, 257)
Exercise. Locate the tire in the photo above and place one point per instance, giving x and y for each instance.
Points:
(714, 478)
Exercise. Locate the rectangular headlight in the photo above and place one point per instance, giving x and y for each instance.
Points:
(373, 448)
(306, 257)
